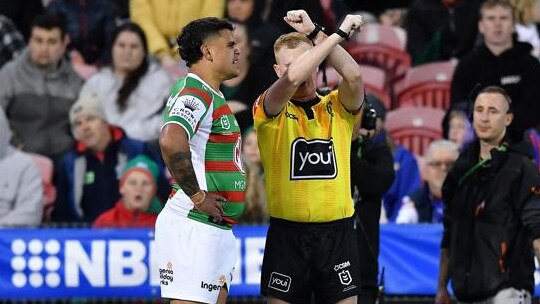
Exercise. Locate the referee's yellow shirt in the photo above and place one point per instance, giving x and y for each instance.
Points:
(306, 159)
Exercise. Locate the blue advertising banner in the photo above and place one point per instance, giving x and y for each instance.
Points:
(120, 263)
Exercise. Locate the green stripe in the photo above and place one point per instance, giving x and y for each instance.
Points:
(203, 218)
(225, 181)
(219, 151)
(179, 120)
(233, 210)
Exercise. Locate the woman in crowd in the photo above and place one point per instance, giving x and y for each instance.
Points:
(134, 87)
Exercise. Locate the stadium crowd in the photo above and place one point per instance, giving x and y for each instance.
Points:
(83, 85)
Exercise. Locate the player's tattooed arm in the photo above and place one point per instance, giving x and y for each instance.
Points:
(182, 169)
(174, 144)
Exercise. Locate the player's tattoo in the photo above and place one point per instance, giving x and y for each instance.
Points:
(182, 170)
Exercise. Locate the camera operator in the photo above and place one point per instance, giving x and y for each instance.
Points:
(372, 174)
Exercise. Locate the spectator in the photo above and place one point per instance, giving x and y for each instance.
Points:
(503, 62)
(241, 92)
(21, 198)
(527, 29)
(425, 205)
(491, 213)
(372, 174)
(87, 178)
(460, 130)
(255, 206)
(393, 17)
(405, 166)
(22, 13)
(90, 25)
(12, 44)
(38, 88)
(161, 21)
(133, 89)
(138, 186)
(441, 29)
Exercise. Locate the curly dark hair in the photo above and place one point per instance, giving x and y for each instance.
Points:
(132, 79)
(193, 35)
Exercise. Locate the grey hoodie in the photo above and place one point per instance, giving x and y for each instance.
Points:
(37, 103)
(21, 192)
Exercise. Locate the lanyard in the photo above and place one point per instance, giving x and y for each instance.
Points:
(477, 165)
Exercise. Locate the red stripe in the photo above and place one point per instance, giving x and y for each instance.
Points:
(227, 166)
(224, 138)
(231, 196)
(173, 192)
(223, 110)
(229, 220)
(199, 93)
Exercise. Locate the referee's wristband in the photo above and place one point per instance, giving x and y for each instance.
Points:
(342, 34)
(311, 36)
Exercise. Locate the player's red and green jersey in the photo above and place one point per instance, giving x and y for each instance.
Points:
(215, 143)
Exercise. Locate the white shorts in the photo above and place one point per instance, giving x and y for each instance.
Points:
(195, 260)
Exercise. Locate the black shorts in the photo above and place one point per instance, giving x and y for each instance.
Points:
(305, 258)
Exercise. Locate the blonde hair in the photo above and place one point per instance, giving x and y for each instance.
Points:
(523, 11)
(290, 41)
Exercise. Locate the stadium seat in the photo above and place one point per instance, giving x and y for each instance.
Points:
(415, 127)
(383, 47)
(46, 168)
(427, 85)
(374, 82)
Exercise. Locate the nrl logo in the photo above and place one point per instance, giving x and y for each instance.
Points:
(345, 277)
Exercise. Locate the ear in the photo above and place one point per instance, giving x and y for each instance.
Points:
(278, 70)
(480, 27)
(207, 54)
(508, 119)
(67, 40)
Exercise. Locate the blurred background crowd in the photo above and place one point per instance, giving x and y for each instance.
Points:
(83, 84)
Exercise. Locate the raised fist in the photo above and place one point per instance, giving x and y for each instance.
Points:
(352, 23)
(300, 21)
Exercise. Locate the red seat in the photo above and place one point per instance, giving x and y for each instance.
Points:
(427, 85)
(383, 47)
(415, 127)
(374, 82)
(46, 168)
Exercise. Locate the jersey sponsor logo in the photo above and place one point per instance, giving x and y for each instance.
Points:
(166, 274)
(291, 116)
(225, 123)
(342, 266)
(209, 287)
(313, 159)
(345, 277)
(188, 108)
(280, 282)
(237, 157)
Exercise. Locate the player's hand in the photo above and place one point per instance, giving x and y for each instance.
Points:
(300, 21)
(442, 296)
(212, 206)
(352, 23)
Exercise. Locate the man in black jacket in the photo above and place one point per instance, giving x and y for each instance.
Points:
(491, 213)
(372, 174)
(504, 62)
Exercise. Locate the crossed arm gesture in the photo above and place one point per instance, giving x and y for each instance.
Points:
(326, 47)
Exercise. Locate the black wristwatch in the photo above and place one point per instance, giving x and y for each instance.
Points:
(342, 34)
(311, 36)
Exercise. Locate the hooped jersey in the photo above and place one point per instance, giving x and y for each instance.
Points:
(215, 144)
(306, 159)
